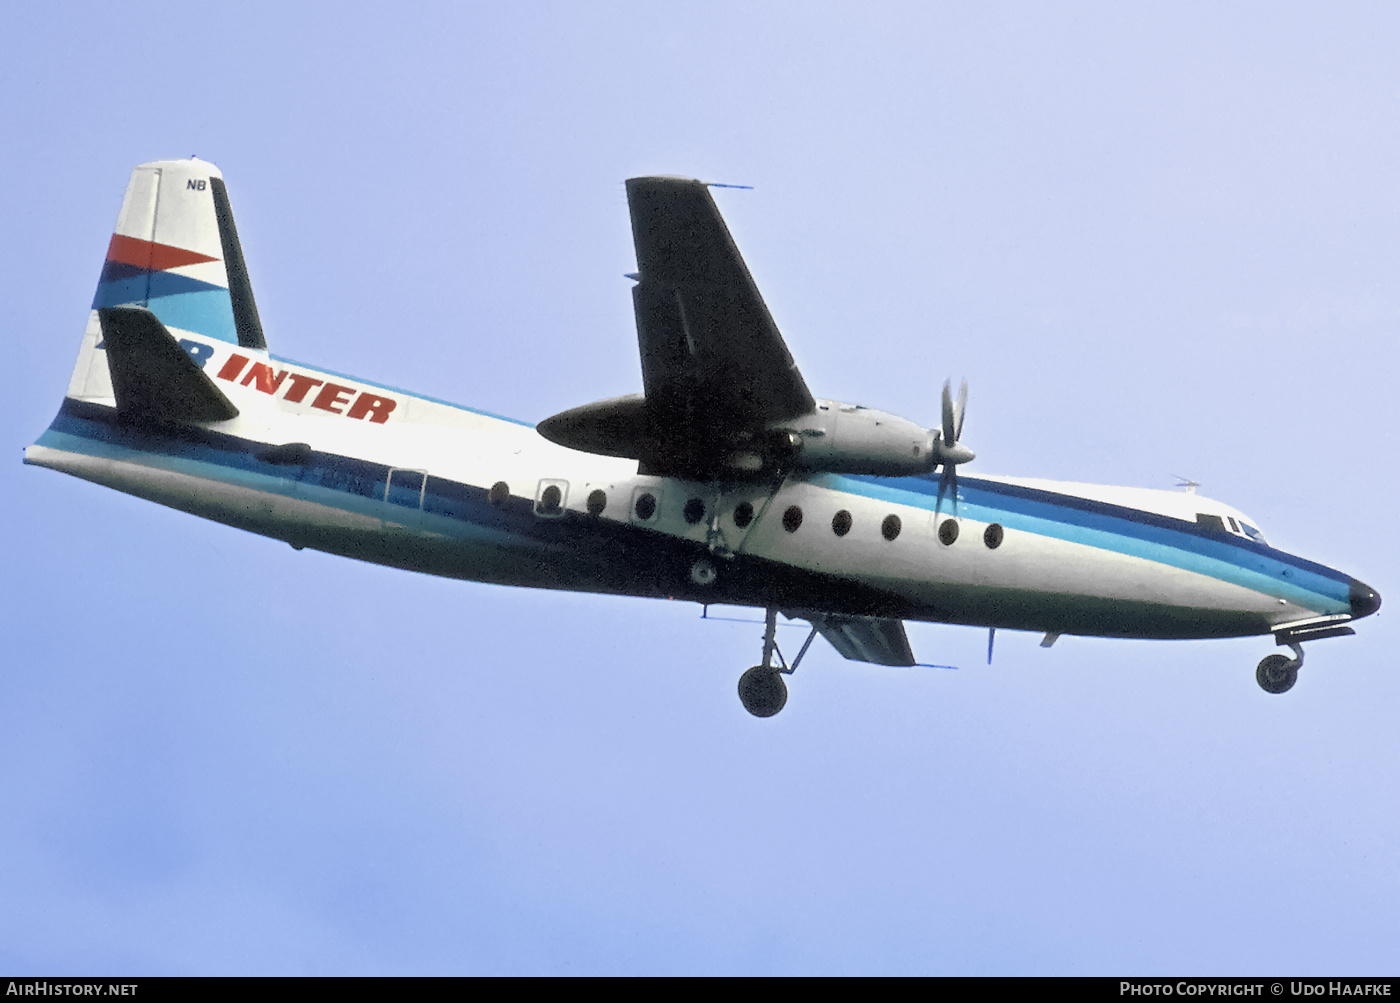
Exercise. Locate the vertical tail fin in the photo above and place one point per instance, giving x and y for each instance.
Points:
(175, 252)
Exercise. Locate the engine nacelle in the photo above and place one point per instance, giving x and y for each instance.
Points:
(854, 439)
(835, 437)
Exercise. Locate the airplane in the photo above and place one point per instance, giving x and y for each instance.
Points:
(726, 481)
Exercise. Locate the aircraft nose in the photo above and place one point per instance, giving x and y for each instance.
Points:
(1364, 599)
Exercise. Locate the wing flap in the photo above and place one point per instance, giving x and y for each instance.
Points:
(878, 640)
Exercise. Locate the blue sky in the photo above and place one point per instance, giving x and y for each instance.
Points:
(1156, 239)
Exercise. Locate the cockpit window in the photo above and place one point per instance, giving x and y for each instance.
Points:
(1217, 524)
(1253, 533)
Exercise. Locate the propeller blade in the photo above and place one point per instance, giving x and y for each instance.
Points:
(947, 485)
(947, 450)
(961, 412)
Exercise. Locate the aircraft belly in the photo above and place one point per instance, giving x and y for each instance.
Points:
(245, 506)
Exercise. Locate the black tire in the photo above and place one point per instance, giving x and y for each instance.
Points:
(762, 691)
(1276, 674)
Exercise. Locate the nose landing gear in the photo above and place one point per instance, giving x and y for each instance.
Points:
(762, 689)
(1278, 673)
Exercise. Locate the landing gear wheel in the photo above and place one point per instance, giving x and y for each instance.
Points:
(1277, 674)
(762, 691)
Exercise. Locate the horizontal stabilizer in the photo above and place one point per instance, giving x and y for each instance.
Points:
(878, 640)
(155, 380)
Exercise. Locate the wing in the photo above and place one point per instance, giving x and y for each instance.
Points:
(715, 370)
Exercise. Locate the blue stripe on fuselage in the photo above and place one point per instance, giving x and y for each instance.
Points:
(1162, 539)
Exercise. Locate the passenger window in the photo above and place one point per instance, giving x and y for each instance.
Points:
(549, 498)
(841, 523)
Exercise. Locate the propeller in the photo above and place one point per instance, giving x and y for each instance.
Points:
(946, 448)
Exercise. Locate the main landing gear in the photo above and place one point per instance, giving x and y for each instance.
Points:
(762, 689)
(1278, 673)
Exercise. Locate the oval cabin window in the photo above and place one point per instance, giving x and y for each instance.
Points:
(550, 499)
(841, 523)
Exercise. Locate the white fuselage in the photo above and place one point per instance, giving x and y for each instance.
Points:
(405, 480)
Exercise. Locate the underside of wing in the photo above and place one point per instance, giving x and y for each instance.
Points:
(712, 358)
(715, 371)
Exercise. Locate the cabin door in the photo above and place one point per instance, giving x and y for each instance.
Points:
(404, 489)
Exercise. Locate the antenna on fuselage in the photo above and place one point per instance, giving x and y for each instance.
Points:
(1186, 484)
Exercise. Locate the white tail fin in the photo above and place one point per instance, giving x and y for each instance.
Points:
(176, 253)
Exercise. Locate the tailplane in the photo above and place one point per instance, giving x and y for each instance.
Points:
(156, 380)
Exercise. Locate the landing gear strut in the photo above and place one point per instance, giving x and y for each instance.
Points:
(1278, 673)
(762, 689)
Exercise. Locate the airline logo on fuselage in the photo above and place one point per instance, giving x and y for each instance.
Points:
(297, 388)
